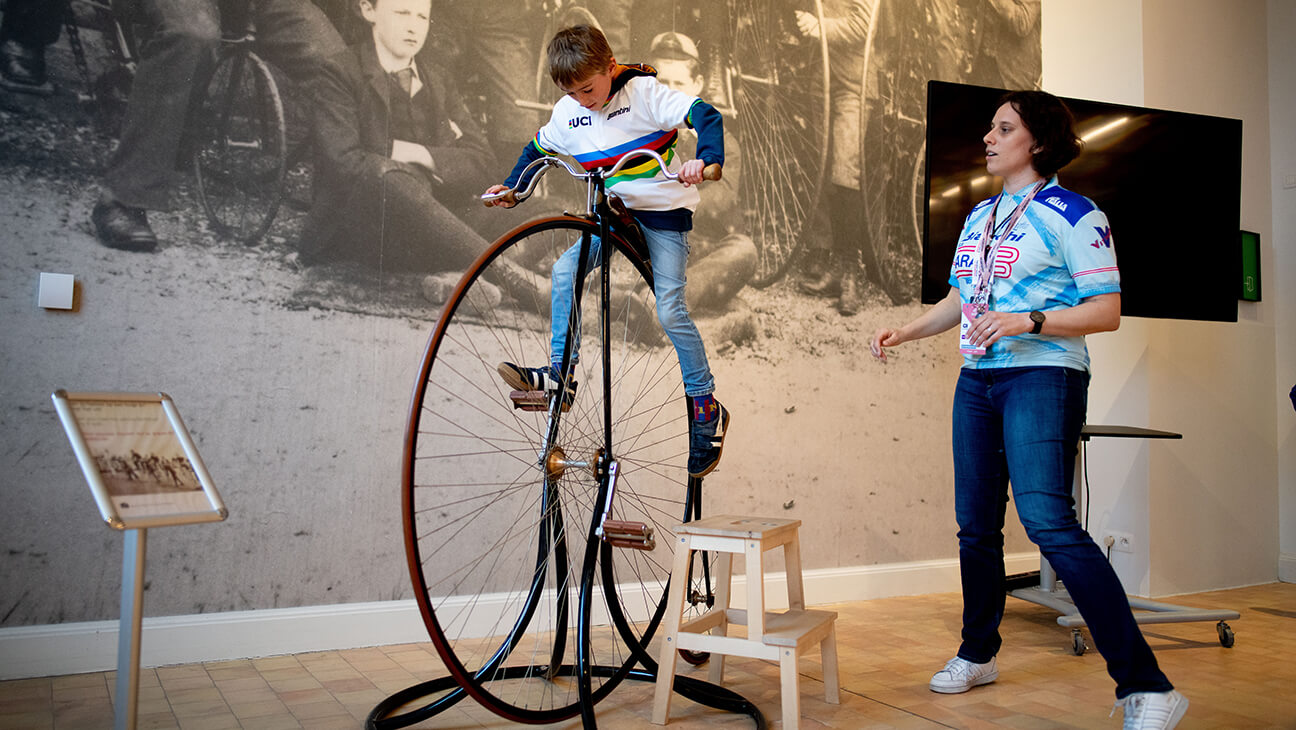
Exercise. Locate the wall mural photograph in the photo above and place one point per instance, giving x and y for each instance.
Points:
(270, 227)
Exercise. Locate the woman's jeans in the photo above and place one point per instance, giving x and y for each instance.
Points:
(1023, 425)
(668, 251)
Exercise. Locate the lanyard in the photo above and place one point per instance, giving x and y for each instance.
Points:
(988, 249)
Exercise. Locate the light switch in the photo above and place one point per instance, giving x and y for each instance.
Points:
(56, 290)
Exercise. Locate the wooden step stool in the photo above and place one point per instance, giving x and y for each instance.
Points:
(775, 636)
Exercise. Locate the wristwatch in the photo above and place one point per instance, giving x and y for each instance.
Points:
(1038, 318)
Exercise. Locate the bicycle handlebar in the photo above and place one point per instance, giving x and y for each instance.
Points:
(711, 172)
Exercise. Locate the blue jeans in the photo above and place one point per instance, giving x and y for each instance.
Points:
(669, 253)
(1024, 424)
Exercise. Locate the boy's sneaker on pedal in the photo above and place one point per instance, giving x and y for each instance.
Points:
(543, 379)
(706, 441)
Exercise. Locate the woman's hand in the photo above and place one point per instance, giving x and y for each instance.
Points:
(884, 337)
(991, 327)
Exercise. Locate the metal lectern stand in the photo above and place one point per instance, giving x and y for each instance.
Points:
(128, 631)
(144, 471)
(1049, 594)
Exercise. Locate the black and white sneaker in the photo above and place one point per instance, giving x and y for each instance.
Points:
(543, 379)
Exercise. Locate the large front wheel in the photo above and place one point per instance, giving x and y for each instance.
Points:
(497, 516)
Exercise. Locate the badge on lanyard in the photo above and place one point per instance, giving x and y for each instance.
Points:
(983, 266)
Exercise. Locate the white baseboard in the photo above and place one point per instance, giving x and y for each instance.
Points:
(76, 648)
(1287, 567)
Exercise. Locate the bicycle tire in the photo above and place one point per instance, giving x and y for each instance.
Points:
(892, 152)
(779, 94)
(240, 148)
(494, 549)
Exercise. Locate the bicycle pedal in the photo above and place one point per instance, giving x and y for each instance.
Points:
(536, 400)
(529, 400)
(636, 544)
(635, 535)
(621, 528)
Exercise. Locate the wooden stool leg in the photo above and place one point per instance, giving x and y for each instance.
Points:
(828, 649)
(674, 610)
(723, 586)
(795, 582)
(789, 680)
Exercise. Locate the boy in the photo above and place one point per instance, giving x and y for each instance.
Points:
(612, 107)
(392, 132)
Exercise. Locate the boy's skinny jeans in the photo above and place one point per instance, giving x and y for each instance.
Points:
(669, 253)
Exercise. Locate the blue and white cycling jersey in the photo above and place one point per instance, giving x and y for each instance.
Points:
(1059, 253)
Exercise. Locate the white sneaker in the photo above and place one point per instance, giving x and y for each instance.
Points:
(1153, 710)
(961, 675)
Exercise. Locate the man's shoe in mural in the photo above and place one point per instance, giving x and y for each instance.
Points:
(22, 68)
(122, 227)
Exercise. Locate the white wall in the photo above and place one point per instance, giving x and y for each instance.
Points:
(1203, 508)
(1279, 265)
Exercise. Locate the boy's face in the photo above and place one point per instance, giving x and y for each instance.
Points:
(593, 91)
(677, 74)
(399, 26)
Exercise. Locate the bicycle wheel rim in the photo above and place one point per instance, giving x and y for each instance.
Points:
(240, 149)
(495, 549)
(781, 103)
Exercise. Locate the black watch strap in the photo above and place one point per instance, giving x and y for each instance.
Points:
(1038, 318)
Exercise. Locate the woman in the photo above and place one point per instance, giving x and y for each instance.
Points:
(1034, 272)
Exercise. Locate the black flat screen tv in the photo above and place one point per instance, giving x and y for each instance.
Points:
(1169, 182)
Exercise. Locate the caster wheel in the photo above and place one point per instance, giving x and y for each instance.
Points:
(1078, 646)
(1225, 635)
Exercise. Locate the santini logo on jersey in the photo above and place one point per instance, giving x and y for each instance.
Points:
(578, 122)
(619, 112)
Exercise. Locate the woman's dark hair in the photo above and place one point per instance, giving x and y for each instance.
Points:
(1051, 124)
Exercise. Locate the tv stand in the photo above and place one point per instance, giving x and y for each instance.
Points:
(1051, 594)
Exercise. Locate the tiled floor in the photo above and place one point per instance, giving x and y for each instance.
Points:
(888, 649)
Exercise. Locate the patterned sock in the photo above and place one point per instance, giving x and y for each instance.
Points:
(705, 407)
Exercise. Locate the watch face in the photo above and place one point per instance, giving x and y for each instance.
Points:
(1037, 317)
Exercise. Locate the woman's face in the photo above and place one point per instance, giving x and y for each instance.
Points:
(1009, 147)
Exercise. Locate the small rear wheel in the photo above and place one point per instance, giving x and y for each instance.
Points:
(240, 150)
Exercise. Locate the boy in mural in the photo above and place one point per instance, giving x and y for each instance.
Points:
(610, 106)
(723, 256)
(395, 142)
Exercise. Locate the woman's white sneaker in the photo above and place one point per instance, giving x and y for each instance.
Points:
(1153, 710)
(961, 675)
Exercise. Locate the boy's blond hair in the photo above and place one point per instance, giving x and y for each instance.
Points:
(577, 53)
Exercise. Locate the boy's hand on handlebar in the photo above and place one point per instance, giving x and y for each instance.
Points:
(508, 201)
(691, 172)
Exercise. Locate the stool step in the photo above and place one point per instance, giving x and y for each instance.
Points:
(782, 628)
(740, 527)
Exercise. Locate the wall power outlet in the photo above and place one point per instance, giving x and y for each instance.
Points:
(1118, 541)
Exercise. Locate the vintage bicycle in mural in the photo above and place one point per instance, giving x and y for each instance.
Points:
(237, 135)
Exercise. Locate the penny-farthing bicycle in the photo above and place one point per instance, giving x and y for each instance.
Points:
(538, 527)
